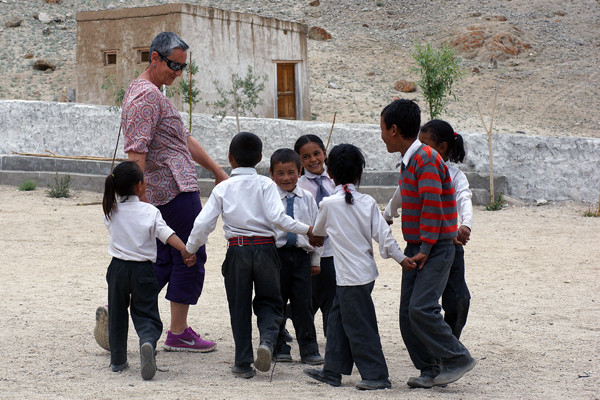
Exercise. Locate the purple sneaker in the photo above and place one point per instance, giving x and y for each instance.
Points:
(188, 340)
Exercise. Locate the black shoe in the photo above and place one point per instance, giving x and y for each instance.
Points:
(288, 338)
(453, 373)
(312, 359)
(263, 357)
(323, 376)
(423, 381)
(147, 361)
(119, 368)
(373, 384)
(243, 371)
(283, 357)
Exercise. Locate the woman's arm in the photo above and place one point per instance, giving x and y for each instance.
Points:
(201, 157)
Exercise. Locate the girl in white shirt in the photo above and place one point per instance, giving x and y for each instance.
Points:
(134, 227)
(315, 179)
(456, 298)
(351, 220)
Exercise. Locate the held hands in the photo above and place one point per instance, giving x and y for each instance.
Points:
(408, 264)
(188, 258)
(315, 270)
(420, 259)
(464, 235)
(315, 241)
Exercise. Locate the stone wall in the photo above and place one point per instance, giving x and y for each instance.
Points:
(535, 166)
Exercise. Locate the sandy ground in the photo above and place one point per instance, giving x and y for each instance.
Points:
(533, 273)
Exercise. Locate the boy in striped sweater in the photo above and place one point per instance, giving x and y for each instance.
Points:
(428, 226)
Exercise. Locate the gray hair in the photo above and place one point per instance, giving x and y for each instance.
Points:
(165, 42)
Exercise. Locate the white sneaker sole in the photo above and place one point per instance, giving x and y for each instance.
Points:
(173, 348)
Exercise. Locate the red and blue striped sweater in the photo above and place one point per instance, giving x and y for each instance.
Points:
(428, 200)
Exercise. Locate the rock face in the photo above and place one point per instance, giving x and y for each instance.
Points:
(43, 65)
(317, 33)
(496, 40)
(406, 86)
(13, 21)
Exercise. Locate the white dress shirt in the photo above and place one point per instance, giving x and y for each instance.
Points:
(464, 204)
(305, 210)
(134, 228)
(350, 228)
(306, 182)
(250, 206)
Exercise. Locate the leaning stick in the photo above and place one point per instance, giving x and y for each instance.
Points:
(330, 131)
(53, 155)
(489, 133)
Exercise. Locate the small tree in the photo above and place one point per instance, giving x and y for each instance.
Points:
(118, 92)
(242, 98)
(190, 95)
(439, 68)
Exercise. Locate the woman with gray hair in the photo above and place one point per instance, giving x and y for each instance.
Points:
(157, 139)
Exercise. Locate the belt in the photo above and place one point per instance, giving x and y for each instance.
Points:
(250, 241)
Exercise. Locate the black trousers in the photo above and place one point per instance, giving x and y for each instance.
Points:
(456, 297)
(246, 267)
(296, 287)
(323, 290)
(131, 284)
(353, 335)
(428, 339)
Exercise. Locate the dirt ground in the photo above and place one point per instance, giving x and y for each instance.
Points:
(533, 273)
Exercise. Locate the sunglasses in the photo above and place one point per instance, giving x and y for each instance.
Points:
(175, 66)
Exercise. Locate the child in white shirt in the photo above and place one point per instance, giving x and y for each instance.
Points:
(251, 209)
(134, 227)
(297, 258)
(312, 154)
(351, 220)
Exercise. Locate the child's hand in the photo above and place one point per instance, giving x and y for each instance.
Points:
(408, 264)
(464, 235)
(420, 259)
(315, 270)
(313, 240)
(188, 258)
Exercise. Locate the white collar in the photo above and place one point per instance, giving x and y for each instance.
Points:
(243, 171)
(297, 191)
(310, 175)
(410, 152)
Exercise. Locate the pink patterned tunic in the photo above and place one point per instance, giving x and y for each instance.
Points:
(152, 125)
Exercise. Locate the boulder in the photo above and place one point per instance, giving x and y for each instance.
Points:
(13, 21)
(45, 18)
(52, 1)
(406, 86)
(317, 33)
(314, 3)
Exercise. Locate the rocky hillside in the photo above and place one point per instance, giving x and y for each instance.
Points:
(542, 55)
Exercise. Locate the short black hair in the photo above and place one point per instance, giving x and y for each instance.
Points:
(405, 114)
(246, 149)
(281, 156)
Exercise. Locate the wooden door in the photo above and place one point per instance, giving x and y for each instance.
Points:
(286, 91)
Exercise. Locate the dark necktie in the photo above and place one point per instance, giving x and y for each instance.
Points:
(321, 191)
(289, 210)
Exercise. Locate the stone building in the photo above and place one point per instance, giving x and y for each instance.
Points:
(114, 45)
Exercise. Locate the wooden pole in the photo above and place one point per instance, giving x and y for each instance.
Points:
(489, 133)
(190, 92)
(330, 131)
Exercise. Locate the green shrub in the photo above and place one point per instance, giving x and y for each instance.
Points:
(497, 204)
(27, 185)
(438, 68)
(61, 187)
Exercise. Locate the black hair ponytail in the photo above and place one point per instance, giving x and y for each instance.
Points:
(120, 182)
(345, 163)
(442, 132)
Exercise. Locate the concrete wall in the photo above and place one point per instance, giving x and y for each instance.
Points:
(221, 42)
(535, 166)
